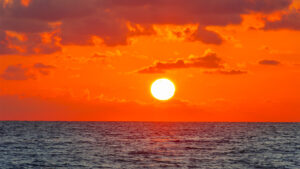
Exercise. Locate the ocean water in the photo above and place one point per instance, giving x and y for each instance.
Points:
(149, 145)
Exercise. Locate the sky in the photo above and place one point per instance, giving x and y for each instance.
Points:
(95, 60)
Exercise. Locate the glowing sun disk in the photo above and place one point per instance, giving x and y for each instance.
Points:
(162, 89)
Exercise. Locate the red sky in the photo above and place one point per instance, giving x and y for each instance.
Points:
(231, 60)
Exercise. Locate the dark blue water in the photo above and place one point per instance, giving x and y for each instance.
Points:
(149, 145)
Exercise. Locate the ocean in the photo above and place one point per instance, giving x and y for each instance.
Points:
(149, 145)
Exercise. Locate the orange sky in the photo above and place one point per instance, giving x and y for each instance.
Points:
(231, 60)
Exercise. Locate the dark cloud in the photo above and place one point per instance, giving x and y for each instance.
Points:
(269, 62)
(209, 60)
(206, 36)
(290, 20)
(4, 49)
(29, 45)
(101, 24)
(43, 66)
(50, 10)
(214, 12)
(20, 72)
(80, 20)
(227, 72)
(17, 72)
(161, 67)
(24, 25)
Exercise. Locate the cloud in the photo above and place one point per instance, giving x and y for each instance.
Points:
(290, 21)
(23, 25)
(42, 68)
(227, 72)
(214, 12)
(206, 36)
(28, 44)
(269, 62)
(17, 72)
(79, 21)
(208, 60)
(4, 49)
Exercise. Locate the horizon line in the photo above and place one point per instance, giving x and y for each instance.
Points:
(150, 121)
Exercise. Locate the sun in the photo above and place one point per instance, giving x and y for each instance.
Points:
(162, 89)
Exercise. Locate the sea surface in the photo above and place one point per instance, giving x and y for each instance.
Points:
(149, 145)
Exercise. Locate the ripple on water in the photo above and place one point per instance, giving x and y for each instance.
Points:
(149, 145)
